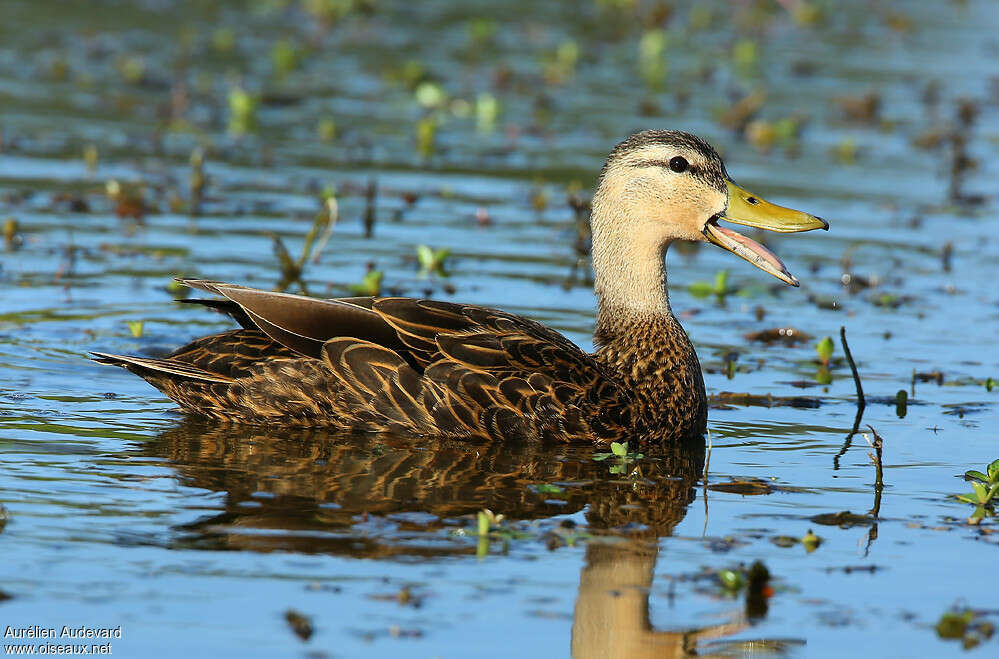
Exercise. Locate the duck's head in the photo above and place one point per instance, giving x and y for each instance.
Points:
(662, 185)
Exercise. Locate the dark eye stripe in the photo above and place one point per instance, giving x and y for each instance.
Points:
(693, 169)
(651, 163)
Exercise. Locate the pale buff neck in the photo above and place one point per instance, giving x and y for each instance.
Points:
(629, 263)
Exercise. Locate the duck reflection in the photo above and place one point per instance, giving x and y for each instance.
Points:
(310, 491)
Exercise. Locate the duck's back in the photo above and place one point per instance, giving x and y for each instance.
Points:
(390, 364)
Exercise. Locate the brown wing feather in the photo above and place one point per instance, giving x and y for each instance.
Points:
(302, 323)
(399, 364)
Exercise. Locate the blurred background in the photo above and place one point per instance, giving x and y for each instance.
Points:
(447, 149)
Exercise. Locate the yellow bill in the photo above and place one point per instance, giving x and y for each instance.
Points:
(753, 211)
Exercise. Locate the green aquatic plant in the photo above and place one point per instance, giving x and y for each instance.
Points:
(430, 94)
(622, 458)
(135, 327)
(732, 581)
(371, 284)
(242, 111)
(990, 477)
(432, 260)
(824, 348)
(717, 288)
(11, 236)
(224, 40)
(326, 129)
(426, 135)
(652, 63)
(285, 57)
(966, 625)
(745, 55)
(487, 110)
(560, 65)
(984, 491)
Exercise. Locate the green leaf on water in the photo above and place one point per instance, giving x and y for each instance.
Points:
(432, 260)
(825, 348)
(600, 457)
(953, 625)
(731, 580)
(721, 282)
(425, 254)
(619, 449)
(811, 541)
(990, 384)
(719, 287)
(973, 474)
(370, 285)
(993, 470)
(135, 327)
(701, 289)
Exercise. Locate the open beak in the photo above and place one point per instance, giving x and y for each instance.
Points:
(754, 211)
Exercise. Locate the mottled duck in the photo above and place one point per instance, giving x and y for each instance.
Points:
(461, 371)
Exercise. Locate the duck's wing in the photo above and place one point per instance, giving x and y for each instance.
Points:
(507, 374)
(432, 367)
(303, 324)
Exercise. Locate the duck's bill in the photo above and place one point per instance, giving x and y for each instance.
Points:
(753, 211)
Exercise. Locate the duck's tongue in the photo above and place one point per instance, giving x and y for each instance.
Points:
(750, 250)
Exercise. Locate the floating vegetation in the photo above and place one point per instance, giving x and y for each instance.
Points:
(432, 261)
(326, 129)
(719, 287)
(242, 111)
(824, 349)
(984, 494)
(11, 234)
(969, 626)
(621, 457)
(370, 284)
(299, 623)
(426, 136)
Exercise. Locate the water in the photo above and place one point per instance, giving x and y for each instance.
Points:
(200, 538)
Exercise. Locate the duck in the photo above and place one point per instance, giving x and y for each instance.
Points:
(460, 371)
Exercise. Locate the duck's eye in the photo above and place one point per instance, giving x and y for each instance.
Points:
(678, 164)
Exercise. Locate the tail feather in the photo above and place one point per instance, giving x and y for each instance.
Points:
(168, 366)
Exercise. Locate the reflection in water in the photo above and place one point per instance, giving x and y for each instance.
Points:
(307, 491)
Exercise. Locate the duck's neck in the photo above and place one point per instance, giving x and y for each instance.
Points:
(629, 269)
(640, 340)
